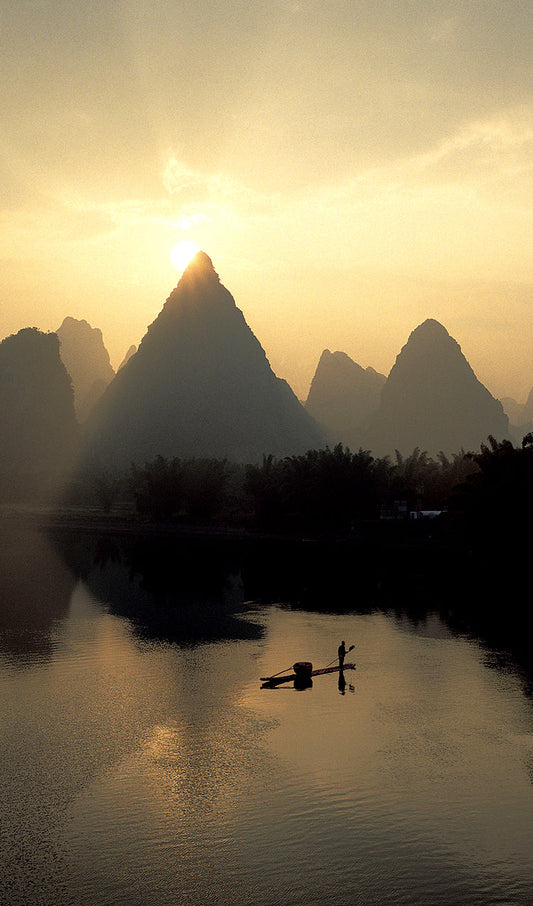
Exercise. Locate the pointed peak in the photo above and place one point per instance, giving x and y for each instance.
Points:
(201, 260)
(198, 276)
(428, 343)
(200, 264)
(430, 329)
(338, 362)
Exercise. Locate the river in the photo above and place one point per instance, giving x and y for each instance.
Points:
(143, 762)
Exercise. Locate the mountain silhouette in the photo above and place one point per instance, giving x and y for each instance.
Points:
(199, 385)
(520, 417)
(433, 400)
(342, 396)
(527, 412)
(513, 410)
(38, 427)
(87, 361)
(131, 351)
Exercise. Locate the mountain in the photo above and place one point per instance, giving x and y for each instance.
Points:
(131, 351)
(199, 385)
(527, 413)
(520, 417)
(87, 361)
(38, 427)
(342, 396)
(433, 400)
(513, 410)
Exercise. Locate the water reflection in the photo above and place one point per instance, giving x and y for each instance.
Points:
(35, 591)
(189, 590)
(148, 766)
(343, 686)
(179, 591)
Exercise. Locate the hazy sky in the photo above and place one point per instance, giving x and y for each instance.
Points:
(352, 167)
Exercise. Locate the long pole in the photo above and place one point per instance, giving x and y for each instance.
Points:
(336, 658)
(280, 671)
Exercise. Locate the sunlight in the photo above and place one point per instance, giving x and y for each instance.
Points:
(182, 253)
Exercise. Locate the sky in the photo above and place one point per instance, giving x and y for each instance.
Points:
(352, 167)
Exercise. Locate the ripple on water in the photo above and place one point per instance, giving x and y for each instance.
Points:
(132, 775)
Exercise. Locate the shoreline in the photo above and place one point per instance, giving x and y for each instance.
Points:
(400, 535)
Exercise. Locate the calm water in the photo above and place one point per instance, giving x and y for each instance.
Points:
(142, 763)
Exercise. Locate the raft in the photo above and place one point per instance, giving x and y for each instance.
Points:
(303, 670)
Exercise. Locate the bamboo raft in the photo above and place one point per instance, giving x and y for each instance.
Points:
(303, 671)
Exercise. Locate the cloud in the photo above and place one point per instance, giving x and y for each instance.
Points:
(178, 178)
(461, 208)
(198, 197)
(499, 134)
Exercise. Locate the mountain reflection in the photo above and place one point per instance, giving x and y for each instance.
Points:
(190, 590)
(476, 599)
(35, 591)
(178, 591)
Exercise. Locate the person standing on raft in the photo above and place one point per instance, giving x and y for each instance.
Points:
(342, 654)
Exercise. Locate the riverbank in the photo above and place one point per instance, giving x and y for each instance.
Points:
(429, 534)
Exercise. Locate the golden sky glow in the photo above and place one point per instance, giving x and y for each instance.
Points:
(351, 169)
(182, 253)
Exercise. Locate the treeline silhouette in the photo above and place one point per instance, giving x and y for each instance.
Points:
(168, 488)
(321, 490)
(327, 492)
(333, 489)
(495, 501)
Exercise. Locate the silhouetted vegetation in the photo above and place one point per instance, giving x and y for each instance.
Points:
(495, 501)
(484, 497)
(167, 488)
(322, 491)
(422, 482)
(333, 490)
(330, 530)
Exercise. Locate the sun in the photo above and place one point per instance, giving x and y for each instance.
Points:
(182, 253)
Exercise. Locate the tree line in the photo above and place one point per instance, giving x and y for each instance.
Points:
(326, 491)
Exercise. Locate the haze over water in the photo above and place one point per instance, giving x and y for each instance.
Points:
(143, 763)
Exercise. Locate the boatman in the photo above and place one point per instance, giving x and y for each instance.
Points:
(342, 654)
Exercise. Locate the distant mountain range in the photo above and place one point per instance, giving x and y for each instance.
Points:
(200, 385)
(431, 399)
